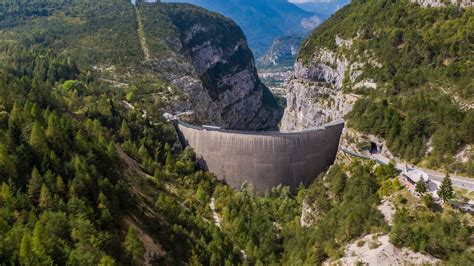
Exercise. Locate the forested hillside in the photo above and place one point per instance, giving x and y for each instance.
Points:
(88, 178)
(92, 174)
(421, 61)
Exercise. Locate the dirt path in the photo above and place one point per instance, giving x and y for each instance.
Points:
(153, 250)
(388, 210)
(217, 221)
(141, 36)
(215, 215)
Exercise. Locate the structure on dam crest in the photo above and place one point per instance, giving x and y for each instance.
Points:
(263, 159)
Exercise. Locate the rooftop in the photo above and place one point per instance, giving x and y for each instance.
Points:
(416, 175)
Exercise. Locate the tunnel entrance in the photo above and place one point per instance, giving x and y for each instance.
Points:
(374, 148)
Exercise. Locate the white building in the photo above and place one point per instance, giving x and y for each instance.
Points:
(409, 178)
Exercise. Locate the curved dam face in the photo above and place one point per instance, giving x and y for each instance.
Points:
(263, 159)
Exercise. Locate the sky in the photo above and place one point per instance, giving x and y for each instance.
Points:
(307, 1)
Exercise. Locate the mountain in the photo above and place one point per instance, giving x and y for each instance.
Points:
(282, 53)
(214, 79)
(327, 7)
(263, 20)
(89, 170)
(397, 70)
(91, 173)
(207, 55)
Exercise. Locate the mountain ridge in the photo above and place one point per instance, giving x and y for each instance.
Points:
(275, 19)
(387, 81)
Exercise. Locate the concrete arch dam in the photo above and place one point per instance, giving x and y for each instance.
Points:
(263, 159)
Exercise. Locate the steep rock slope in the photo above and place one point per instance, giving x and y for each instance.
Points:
(402, 68)
(282, 53)
(207, 55)
(168, 52)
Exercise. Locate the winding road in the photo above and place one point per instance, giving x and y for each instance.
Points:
(458, 181)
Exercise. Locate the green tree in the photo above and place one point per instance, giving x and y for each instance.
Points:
(421, 187)
(25, 250)
(60, 186)
(169, 158)
(54, 132)
(45, 198)
(201, 194)
(37, 138)
(134, 246)
(445, 191)
(428, 200)
(125, 131)
(103, 207)
(107, 261)
(34, 185)
(39, 252)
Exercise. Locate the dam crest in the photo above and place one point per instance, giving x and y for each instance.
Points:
(263, 159)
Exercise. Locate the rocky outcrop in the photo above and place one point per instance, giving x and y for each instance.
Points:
(215, 68)
(282, 53)
(315, 92)
(443, 3)
(376, 249)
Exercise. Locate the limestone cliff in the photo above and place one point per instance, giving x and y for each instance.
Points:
(208, 57)
(398, 70)
(443, 3)
(282, 53)
(315, 92)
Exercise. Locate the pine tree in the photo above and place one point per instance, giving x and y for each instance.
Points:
(45, 198)
(107, 261)
(25, 250)
(420, 187)
(60, 187)
(35, 112)
(38, 138)
(134, 246)
(34, 185)
(194, 259)
(169, 158)
(103, 206)
(14, 127)
(38, 251)
(445, 191)
(54, 132)
(125, 131)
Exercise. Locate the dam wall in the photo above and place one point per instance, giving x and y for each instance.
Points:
(263, 159)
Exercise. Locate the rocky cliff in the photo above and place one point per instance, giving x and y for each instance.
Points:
(163, 57)
(282, 53)
(210, 60)
(396, 70)
(315, 92)
(263, 21)
(441, 3)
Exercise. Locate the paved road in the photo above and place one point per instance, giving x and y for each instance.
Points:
(458, 181)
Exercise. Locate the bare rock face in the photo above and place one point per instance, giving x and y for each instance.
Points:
(315, 92)
(443, 3)
(282, 52)
(214, 66)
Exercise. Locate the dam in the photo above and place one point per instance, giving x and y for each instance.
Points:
(260, 158)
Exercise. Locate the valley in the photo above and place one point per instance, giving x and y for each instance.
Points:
(147, 133)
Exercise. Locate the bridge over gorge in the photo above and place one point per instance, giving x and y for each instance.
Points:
(263, 159)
